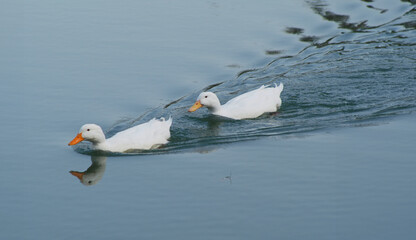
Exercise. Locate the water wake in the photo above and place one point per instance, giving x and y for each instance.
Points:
(352, 78)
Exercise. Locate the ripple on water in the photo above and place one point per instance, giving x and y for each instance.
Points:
(353, 77)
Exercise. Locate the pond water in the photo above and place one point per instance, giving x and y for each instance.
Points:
(335, 162)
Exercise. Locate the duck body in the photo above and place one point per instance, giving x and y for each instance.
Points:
(248, 105)
(145, 136)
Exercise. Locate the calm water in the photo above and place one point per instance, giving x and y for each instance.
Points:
(336, 161)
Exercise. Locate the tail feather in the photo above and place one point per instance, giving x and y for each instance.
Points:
(280, 87)
(169, 120)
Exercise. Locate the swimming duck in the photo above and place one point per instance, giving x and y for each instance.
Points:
(248, 105)
(145, 136)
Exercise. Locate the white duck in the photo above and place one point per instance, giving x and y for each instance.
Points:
(141, 137)
(248, 105)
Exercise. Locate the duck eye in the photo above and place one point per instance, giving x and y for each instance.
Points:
(206, 96)
(88, 129)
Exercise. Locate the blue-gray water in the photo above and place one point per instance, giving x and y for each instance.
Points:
(336, 161)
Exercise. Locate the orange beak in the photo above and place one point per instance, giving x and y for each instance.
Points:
(76, 140)
(196, 106)
(79, 175)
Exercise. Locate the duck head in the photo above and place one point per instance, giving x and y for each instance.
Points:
(206, 99)
(89, 132)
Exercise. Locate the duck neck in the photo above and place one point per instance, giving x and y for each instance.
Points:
(99, 142)
(215, 106)
(100, 145)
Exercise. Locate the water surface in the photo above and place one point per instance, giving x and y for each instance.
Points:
(336, 161)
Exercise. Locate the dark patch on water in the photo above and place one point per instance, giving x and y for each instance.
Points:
(273, 52)
(309, 39)
(342, 20)
(294, 30)
(378, 9)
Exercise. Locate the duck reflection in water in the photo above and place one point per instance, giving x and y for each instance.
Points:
(94, 173)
